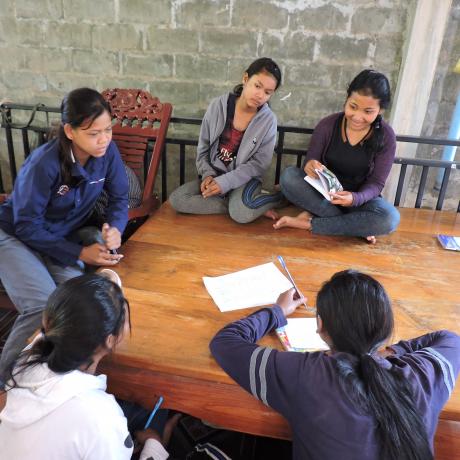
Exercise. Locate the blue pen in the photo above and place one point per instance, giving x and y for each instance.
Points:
(154, 411)
(283, 264)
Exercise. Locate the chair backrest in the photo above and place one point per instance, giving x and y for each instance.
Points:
(140, 125)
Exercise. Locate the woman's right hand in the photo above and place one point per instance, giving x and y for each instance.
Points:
(310, 168)
(98, 254)
(289, 300)
(205, 183)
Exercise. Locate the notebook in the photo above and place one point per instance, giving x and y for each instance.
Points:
(450, 242)
(300, 335)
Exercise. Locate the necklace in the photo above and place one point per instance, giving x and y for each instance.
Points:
(346, 135)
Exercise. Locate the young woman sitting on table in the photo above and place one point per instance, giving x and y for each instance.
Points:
(41, 236)
(358, 146)
(235, 150)
(355, 401)
(56, 406)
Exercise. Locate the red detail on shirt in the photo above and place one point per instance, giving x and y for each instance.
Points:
(229, 143)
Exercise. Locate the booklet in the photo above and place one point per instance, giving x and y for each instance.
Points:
(300, 335)
(450, 242)
(326, 183)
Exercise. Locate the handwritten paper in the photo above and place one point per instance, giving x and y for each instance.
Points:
(253, 287)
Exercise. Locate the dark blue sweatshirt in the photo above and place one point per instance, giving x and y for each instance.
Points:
(42, 211)
(304, 387)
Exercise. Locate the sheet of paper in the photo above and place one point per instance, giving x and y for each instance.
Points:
(253, 287)
(301, 333)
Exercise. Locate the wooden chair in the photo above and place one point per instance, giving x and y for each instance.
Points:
(140, 125)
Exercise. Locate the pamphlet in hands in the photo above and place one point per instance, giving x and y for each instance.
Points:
(450, 242)
(326, 183)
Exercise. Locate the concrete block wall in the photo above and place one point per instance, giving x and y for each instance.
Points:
(188, 51)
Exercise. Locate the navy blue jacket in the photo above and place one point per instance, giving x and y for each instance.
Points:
(305, 388)
(42, 211)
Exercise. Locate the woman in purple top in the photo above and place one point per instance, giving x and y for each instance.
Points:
(359, 148)
(354, 402)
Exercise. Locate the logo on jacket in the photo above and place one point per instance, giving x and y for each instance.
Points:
(63, 189)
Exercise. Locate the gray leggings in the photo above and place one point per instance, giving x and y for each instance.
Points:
(29, 279)
(244, 204)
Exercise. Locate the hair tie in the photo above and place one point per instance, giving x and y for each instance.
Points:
(42, 330)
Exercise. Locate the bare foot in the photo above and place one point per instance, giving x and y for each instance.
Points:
(371, 239)
(271, 214)
(302, 221)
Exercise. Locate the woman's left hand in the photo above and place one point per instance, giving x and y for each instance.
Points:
(342, 198)
(212, 189)
(111, 237)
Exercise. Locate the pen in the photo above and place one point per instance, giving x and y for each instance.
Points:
(154, 411)
(283, 264)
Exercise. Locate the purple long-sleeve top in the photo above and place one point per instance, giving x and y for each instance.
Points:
(305, 387)
(379, 167)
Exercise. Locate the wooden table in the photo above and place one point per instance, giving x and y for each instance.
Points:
(173, 317)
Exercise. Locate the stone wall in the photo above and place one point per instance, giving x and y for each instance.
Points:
(187, 51)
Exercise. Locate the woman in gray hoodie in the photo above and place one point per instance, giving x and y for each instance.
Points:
(235, 149)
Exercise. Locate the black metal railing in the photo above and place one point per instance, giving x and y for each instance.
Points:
(282, 150)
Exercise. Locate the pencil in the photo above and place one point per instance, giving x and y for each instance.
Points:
(291, 279)
(154, 411)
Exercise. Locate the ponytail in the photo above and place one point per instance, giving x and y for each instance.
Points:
(375, 142)
(65, 157)
(356, 313)
(92, 302)
(389, 399)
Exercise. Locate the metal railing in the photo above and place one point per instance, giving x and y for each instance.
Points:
(281, 150)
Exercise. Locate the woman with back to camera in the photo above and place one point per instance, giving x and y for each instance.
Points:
(358, 146)
(235, 149)
(57, 407)
(356, 401)
(41, 241)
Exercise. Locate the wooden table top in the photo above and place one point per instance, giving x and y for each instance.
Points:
(174, 318)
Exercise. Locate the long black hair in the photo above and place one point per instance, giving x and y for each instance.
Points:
(80, 314)
(357, 315)
(372, 83)
(261, 65)
(80, 106)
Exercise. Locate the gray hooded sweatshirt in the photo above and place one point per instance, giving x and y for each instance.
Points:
(254, 154)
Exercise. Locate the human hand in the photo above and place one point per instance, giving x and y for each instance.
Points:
(111, 237)
(98, 254)
(149, 433)
(205, 182)
(289, 300)
(310, 168)
(342, 198)
(212, 189)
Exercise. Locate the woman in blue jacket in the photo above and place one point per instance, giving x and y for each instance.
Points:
(54, 195)
(235, 150)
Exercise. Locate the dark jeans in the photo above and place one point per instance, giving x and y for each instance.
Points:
(375, 217)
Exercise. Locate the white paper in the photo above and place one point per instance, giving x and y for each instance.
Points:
(253, 287)
(301, 333)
